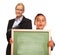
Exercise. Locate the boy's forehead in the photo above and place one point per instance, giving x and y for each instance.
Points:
(40, 17)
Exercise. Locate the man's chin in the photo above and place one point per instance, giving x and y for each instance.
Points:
(18, 16)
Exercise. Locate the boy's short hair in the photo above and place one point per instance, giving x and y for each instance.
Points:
(40, 14)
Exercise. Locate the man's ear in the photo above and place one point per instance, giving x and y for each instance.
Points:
(23, 11)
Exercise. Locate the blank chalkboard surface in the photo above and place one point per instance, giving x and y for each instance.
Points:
(30, 42)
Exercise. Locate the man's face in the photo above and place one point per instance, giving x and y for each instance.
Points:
(40, 22)
(19, 10)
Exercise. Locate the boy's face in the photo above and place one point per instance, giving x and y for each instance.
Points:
(40, 22)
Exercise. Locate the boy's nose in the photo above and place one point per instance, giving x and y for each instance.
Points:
(40, 21)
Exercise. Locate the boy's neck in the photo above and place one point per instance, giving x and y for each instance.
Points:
(39, 28)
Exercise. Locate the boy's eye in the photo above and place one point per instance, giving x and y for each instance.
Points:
(40, 20)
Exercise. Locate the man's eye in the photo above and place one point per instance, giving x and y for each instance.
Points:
(19, 9)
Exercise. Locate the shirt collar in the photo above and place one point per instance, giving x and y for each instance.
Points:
(19, 19)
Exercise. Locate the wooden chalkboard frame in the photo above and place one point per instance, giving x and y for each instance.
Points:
(13, 30)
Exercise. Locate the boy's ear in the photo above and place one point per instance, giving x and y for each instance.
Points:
(45, 23)
(34, 22)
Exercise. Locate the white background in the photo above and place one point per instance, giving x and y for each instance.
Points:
(50, 8)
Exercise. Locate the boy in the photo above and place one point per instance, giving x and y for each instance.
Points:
(40, 22)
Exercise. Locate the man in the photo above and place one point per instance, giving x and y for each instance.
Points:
(20, 22)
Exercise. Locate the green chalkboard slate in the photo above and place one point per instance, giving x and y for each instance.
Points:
(30, 42)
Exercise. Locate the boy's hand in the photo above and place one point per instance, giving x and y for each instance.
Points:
(51, 44)
(11, 40)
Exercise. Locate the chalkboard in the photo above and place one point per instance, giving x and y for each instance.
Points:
(30, 42)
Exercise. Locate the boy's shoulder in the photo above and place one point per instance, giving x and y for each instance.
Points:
(47, 28)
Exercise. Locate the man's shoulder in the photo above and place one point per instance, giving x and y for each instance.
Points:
(12, 19)
(26, 19)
